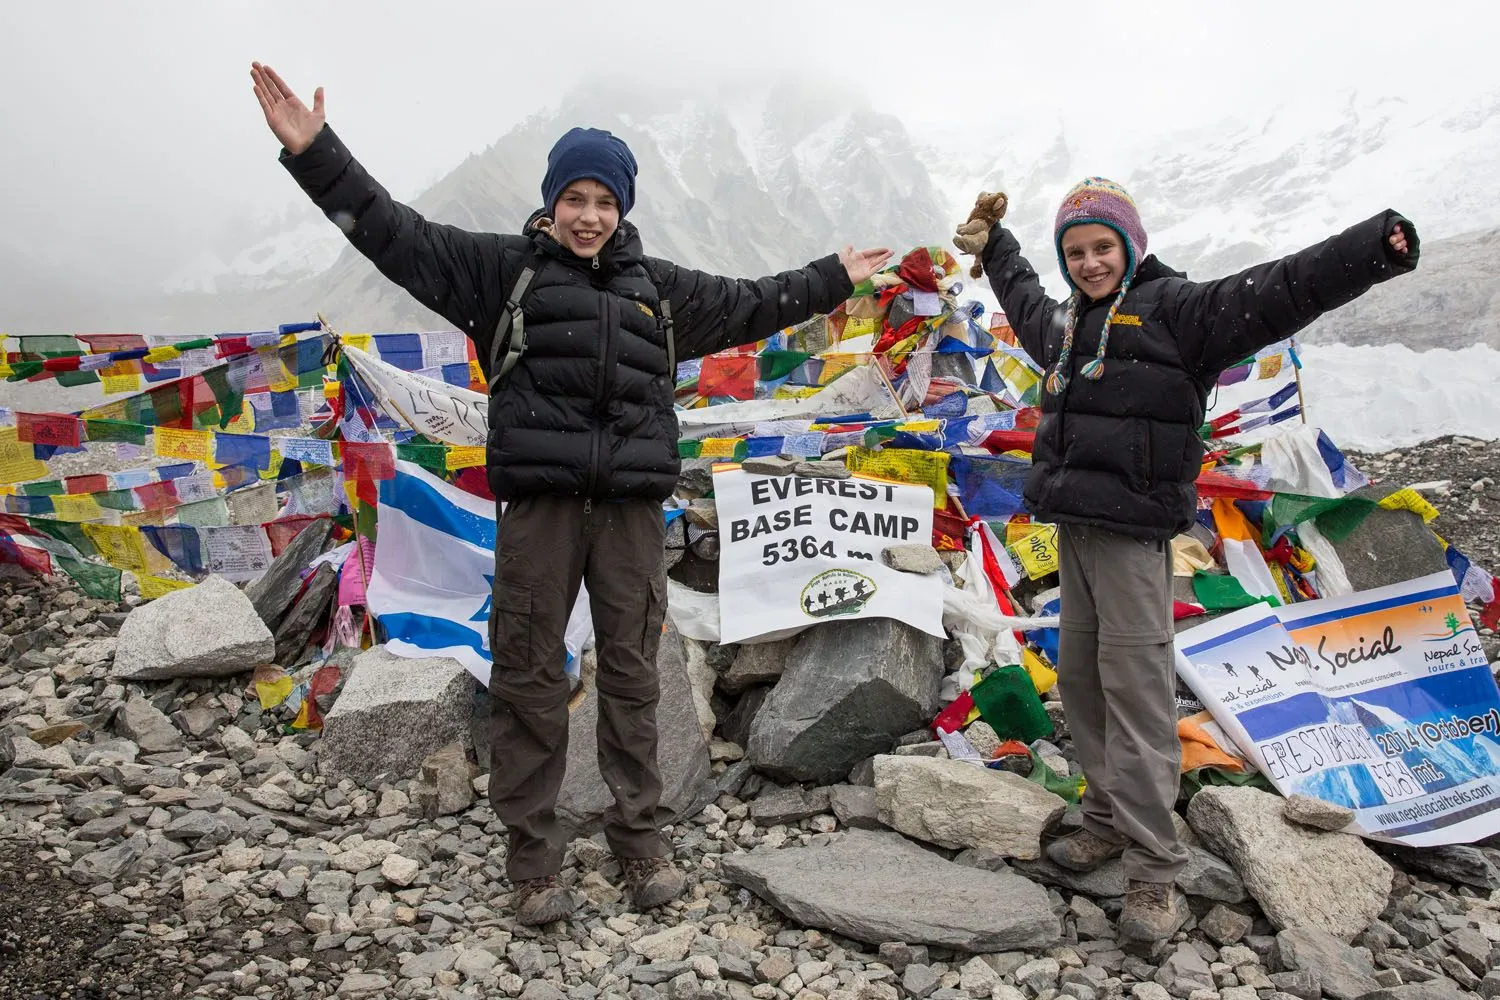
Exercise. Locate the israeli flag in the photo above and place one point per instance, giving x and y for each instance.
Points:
(434, 571)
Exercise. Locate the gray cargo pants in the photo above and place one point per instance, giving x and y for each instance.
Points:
(547, 546)
(1117, 680)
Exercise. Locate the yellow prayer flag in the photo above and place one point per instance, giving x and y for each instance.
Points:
(18, 462)
(1037, 551)
(796, 391)
(173, 442)
(1409, 499)
(118, 545)
(1015, 372)
(904, 465)
(77, 507)
(358, 341)
(718, 447)
(119, 377)
(152, 587)
(278, 377)
(476, 373)
(1268, 367)
(920, 426)
(273, 693)
(464, 457)
(330, 390)
(160, 355)
(860, 326)
(1042, 676)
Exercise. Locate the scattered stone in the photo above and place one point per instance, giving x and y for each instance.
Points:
(788, 806)
(51, 736)
(1459, 863)
(237, 744)
(757, 663)
(921, 559)
(1316, 813)
(399, 870)
(1225, 926)
(919, 981)
(1210, 877)
(671, 945)
(446, 783)
(1388, 546)
(770, 465)
(1091, 922)
(1434, 989)
(682, 754)
(1342, 972)
(273, 593)
(363, 984)
(850, 688)
(140, 720)
(854, 806)
(1300, 878)
(209, 630)
(1185, 971)
(307, 614)
(878, 887)
(27, 753)
(953, 804)
(821, 470)
(407, 708)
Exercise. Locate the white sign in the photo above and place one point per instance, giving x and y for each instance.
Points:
(795, 552)
(1381, 701)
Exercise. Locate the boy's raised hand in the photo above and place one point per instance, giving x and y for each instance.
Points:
(291, 120)
(862, 264)
(1398, 239)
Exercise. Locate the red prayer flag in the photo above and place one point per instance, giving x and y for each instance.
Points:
(86, 484)
(282, 530)
(156, 496)
(50, 429)
(28, 558)
(108, 343)
(728, 375)
(369, 461)
(1489, 616)
(918, 270)
(68, 364)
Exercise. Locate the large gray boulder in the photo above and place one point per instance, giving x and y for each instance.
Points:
(1299, 876)
(682, 752)
(210, 630)
(878, 886)
(849, 690)
(1389, 546)
(392, 713)
(954, 804)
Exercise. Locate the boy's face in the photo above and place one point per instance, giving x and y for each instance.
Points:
(1095, 255)
(585, 217)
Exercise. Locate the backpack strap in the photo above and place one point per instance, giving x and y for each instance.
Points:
(666, 316)
(510, 331)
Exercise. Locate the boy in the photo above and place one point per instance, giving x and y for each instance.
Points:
(1131, 357)
(582, 449)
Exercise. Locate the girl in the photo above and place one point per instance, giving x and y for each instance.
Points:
(1130, 358)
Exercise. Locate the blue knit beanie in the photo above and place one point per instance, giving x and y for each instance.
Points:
(593, 154)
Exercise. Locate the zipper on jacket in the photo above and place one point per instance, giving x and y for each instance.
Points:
(608, 318)
(594, 262)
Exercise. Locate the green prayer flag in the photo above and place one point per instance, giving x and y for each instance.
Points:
(44, 488)
(689, 448)
(100, 582)
(230, 400)
(70, 379)
(23, 370)
(780, 364)
(114, 430)
(117, 500)
(432, 457)
(1218, 592)
(65, 531)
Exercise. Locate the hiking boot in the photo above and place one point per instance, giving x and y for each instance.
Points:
(1151, 913)
(653, 881)
(541, 900)
(1082, 851)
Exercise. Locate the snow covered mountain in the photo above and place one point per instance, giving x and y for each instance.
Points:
(753, 184)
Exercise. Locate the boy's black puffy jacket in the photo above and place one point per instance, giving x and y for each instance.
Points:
(588, 409)
(1123, 452)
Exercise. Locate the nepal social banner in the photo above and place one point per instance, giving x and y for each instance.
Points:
(796, 551)
(1381, 701)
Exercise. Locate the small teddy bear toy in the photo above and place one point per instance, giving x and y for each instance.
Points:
(973, 234)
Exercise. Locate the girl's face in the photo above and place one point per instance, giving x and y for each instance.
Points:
(1095, 255)
(585, 217)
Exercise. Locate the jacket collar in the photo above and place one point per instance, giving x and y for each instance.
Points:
(623, 251)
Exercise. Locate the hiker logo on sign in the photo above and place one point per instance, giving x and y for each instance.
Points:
(836, 592)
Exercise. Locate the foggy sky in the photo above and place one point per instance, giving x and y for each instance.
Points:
(132, 138)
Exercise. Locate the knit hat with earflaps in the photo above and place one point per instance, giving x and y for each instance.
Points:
(1101, 201)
